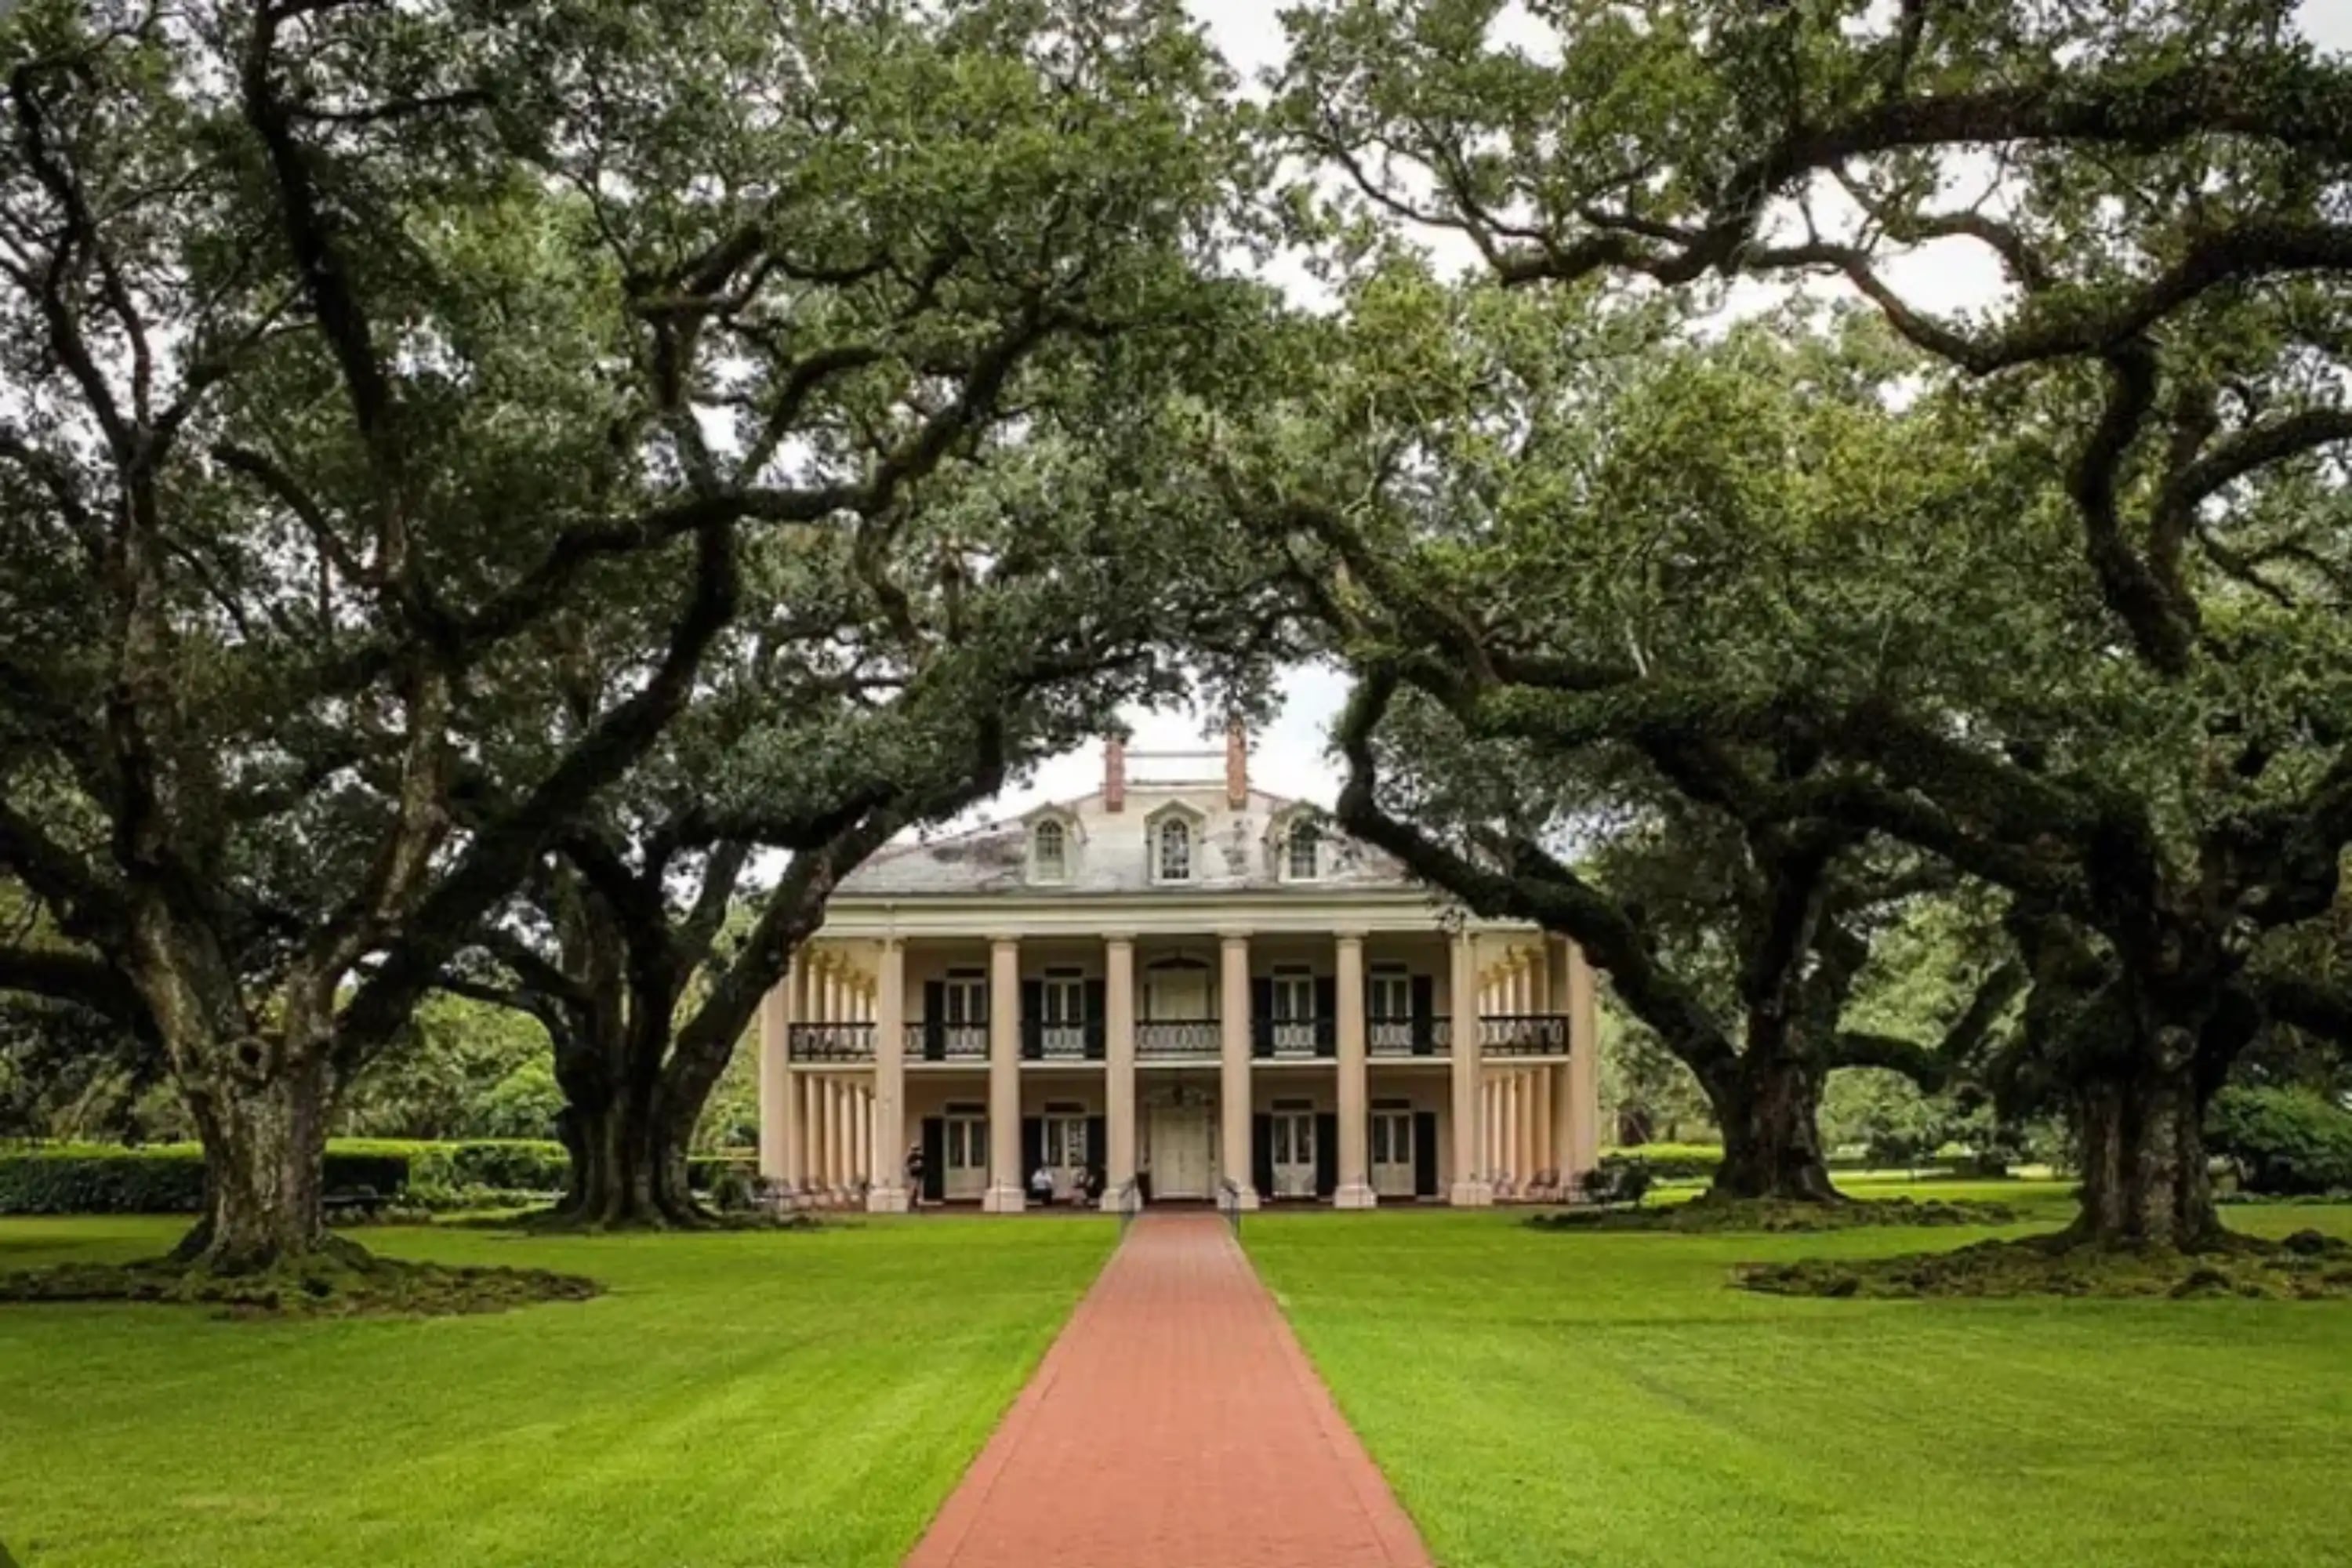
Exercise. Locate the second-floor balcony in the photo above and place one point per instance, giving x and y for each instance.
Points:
(1179, 1039)
(1297, 1038)
(1505, 1034)
(946, 1040)
(830, 1042)
(1523, 1035)
(1423, 1035)
(1051, 1040)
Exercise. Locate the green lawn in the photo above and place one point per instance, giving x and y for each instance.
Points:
(1552, 1399)
(746, 1399)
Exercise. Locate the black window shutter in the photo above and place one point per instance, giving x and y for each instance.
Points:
(1261, 1155)
(1424, 1153)
(1327, 1010)
(1261, 1013)
(935, 1023)
(1425, 1014)
(1098, 1142)
(1033, 1147)
(1033, 1020)
(1096, 1003)
(935, 1159)
(1326, 1154)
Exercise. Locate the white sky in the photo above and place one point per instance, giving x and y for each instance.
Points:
(1291, 757)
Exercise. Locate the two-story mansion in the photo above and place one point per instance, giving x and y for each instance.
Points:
(1187, 984)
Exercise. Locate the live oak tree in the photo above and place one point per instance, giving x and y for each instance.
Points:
(1487, 503)
(347, 345)
(898, 674)
(2159, 188)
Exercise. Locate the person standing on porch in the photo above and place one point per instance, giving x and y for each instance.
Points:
(915, 1175)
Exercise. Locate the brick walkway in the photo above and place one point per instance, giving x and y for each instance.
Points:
(1175, 1423)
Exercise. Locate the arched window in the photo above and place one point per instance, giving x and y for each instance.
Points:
(1051, 847)
(1175, 850)
(1303, 852)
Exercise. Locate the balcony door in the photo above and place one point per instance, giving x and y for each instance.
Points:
(1391, 1151)
(1293, 1011)
(1387, 1012)
(963, 1004)
(1292, 1132)
(967, 1154)
(1062, 1015)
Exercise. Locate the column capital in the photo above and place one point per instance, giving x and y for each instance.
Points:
(1118, 938)
(1233, 938)
(1002, 940)
(1354, 934)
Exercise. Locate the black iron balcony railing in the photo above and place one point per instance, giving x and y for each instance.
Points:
(1523, 1035)
(1179, 1039)
(1420, 1036)
(1042, 1040)
(830, 1042)
(1305, 1038)
(938, 1040)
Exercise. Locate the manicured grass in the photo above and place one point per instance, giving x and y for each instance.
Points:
(744, 1399)
(1543, 1399)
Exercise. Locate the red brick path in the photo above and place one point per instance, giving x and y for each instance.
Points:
(1175, 1423)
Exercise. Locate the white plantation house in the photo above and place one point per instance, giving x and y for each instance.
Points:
(1185, 984)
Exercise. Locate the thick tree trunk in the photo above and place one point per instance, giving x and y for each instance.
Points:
(628, 1165)
(2145, 1182)
(263, 1121)
(1770, 1115)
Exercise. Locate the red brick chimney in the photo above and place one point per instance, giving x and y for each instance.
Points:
(1115, 773)
(1236, 764)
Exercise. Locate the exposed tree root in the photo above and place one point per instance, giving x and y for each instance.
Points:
(571, 1222)
(2306, 1265)
(341, 1280)
(1711, 1215)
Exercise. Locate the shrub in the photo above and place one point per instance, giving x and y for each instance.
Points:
(1669, 1162)
(83, 1179)
(703, 1171)
(2283, 1141)
(1621, 1179)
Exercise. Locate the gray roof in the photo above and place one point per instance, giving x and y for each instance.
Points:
(1235, 849)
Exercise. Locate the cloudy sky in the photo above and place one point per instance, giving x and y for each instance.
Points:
(1290, 757)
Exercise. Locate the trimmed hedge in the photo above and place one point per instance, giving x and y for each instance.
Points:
(169, 1178)
(2283, 1141)
(1669, 1162)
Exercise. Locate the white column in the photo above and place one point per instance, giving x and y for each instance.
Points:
(1523, 1127)
(1547, 1157)
(776, 1081)
(1119, 1065)
(808, 1092)
(861, 1125)
(1005, 1176)
(1355, 1188)
(1233, 1081)
(829, 1093)
(890, 1194)
(1469, 1188)
(1582, 1121)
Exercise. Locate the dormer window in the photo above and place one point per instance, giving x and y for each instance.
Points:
(1172, 849)
(1049, 852)
(1302, 854)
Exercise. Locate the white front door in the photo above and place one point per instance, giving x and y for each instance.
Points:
(967, 1166)
(1294, 1153)
(1066, 1151)
(1392, 1153)
(1181, 1154)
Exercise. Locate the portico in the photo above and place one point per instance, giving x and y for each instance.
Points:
(1226, 1006)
